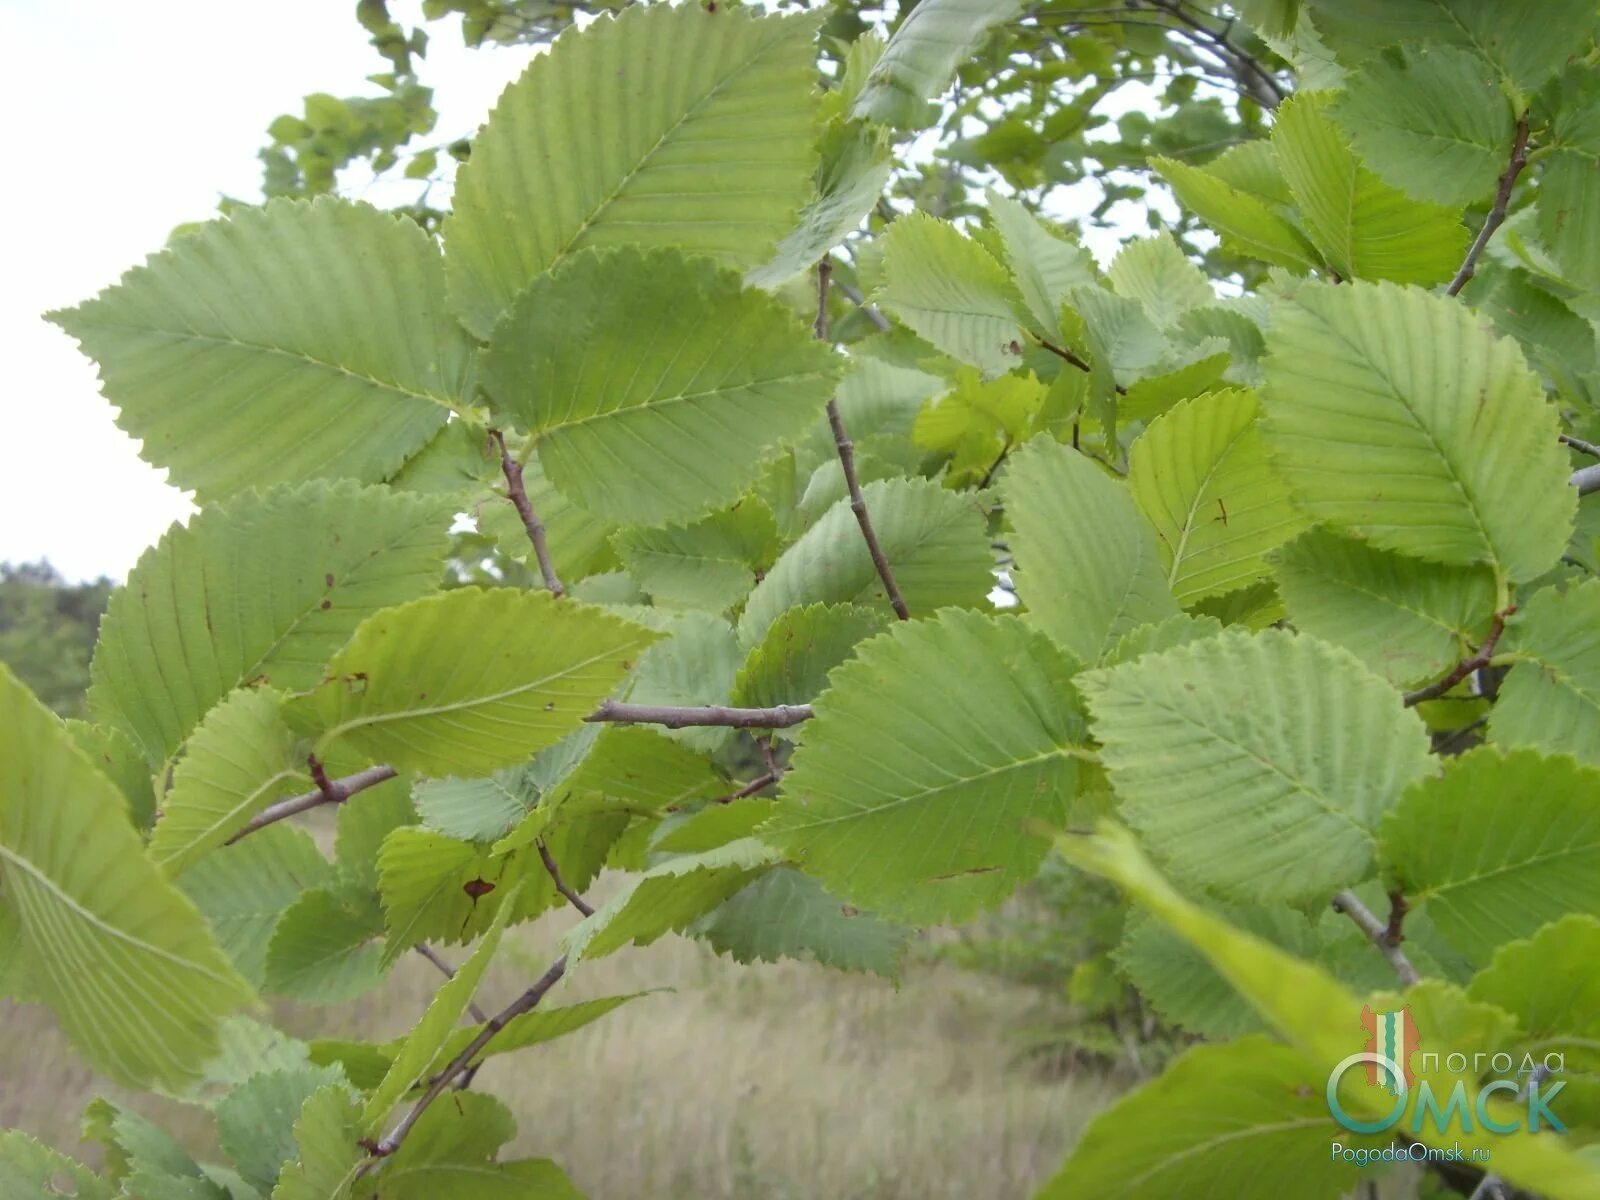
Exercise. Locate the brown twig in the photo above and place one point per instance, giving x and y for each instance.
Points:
(779, 716)
(1394, 931)
(1497, 214)
(1581, 446)
(749, 789)
(1466, 666)
(847, 461)
(1586, 479)
(432, 956)
(523, 1003)
(517, 491)
(329, 791)
(1378, 933)
(1072, 357)
(554, 871)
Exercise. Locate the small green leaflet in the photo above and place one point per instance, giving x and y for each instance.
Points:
(922, 56)
(1551, 697)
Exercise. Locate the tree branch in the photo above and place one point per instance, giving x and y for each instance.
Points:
(523, 1003)
(332, 791)
(1072, 357)
(847, 461)
(1378, 933)
(549, 860)
(749, 789)
(1254, 77)
(518, 493)
(780, 716)
(1497, 214)
(429, 953)
(1467, 665)
(1581, 446)
(853, 294)
(1586, 479)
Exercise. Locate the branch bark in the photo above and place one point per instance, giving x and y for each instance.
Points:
(432, 956)
(335, 791)
(554, 871)
(517, 490)
(1497, 214)
(1378, 933)
(847, 461)
(780, 716)
(1586, 479)
(1467, 665)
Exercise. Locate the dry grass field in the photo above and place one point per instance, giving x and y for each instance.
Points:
(775, 1082)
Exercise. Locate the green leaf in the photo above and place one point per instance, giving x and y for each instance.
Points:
(1256, 765)
(127, 965)
(922, 56)
(1527, 51)
(790, 664)
(328, 1157)
(711, 564)
(1450, 456)
(1200, 474)
(1087, 565)
(932, 755)
(255, 1121)
(579, 540)
(856, 165)
(666, 898)
(421, 1050)
(977, 422)
(1549, 984)
(1163, 635)
(1322, 1020)
(449, 1155)
(118, 757)
(934, 540)
(1364, 228)
(260, 590)
(324, 948)
(242, 893)
(1046, 267)
(240, 759)
(785, 914)
(694, 665)
(1155, 272)
(1175, 1136)
(1497, 845)
(481, 810)
(693, 128)
(251, 351)
(1247, 220)
(470, 680)
(951, 292)
(1431, 121)
(1551, 698)
(1569, 213)
(1408, 620)
(657, 384)
(30, 1168)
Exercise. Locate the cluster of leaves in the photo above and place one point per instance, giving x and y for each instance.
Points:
(1236, 529)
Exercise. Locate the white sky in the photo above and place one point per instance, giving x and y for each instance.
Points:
(126, 120)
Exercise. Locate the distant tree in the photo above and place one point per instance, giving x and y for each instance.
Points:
(47, 631)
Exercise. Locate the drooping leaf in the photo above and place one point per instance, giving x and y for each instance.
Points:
(469, 680)
(934, 540)
(668, 897)
(1551, 698)
(1231, 203)
(240, 759)
(1364, 228)
(244, 892)
(1431, 121)
(324, 948)
(1269, 1139)
(1087, 564)
(785, 914)
(1396, 415)
(1406, 619)
(922, 56)
(422, 1047)
(1497, 845)
(933, 754)
(711, 564)
(694, 128)
(125, 962)
(260, 590)
(952, 293)
(1258, 765)
(252, 351)
(657, 384)
(1200, 475)
(790, 664)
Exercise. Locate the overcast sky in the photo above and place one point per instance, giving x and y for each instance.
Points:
(126, 120)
